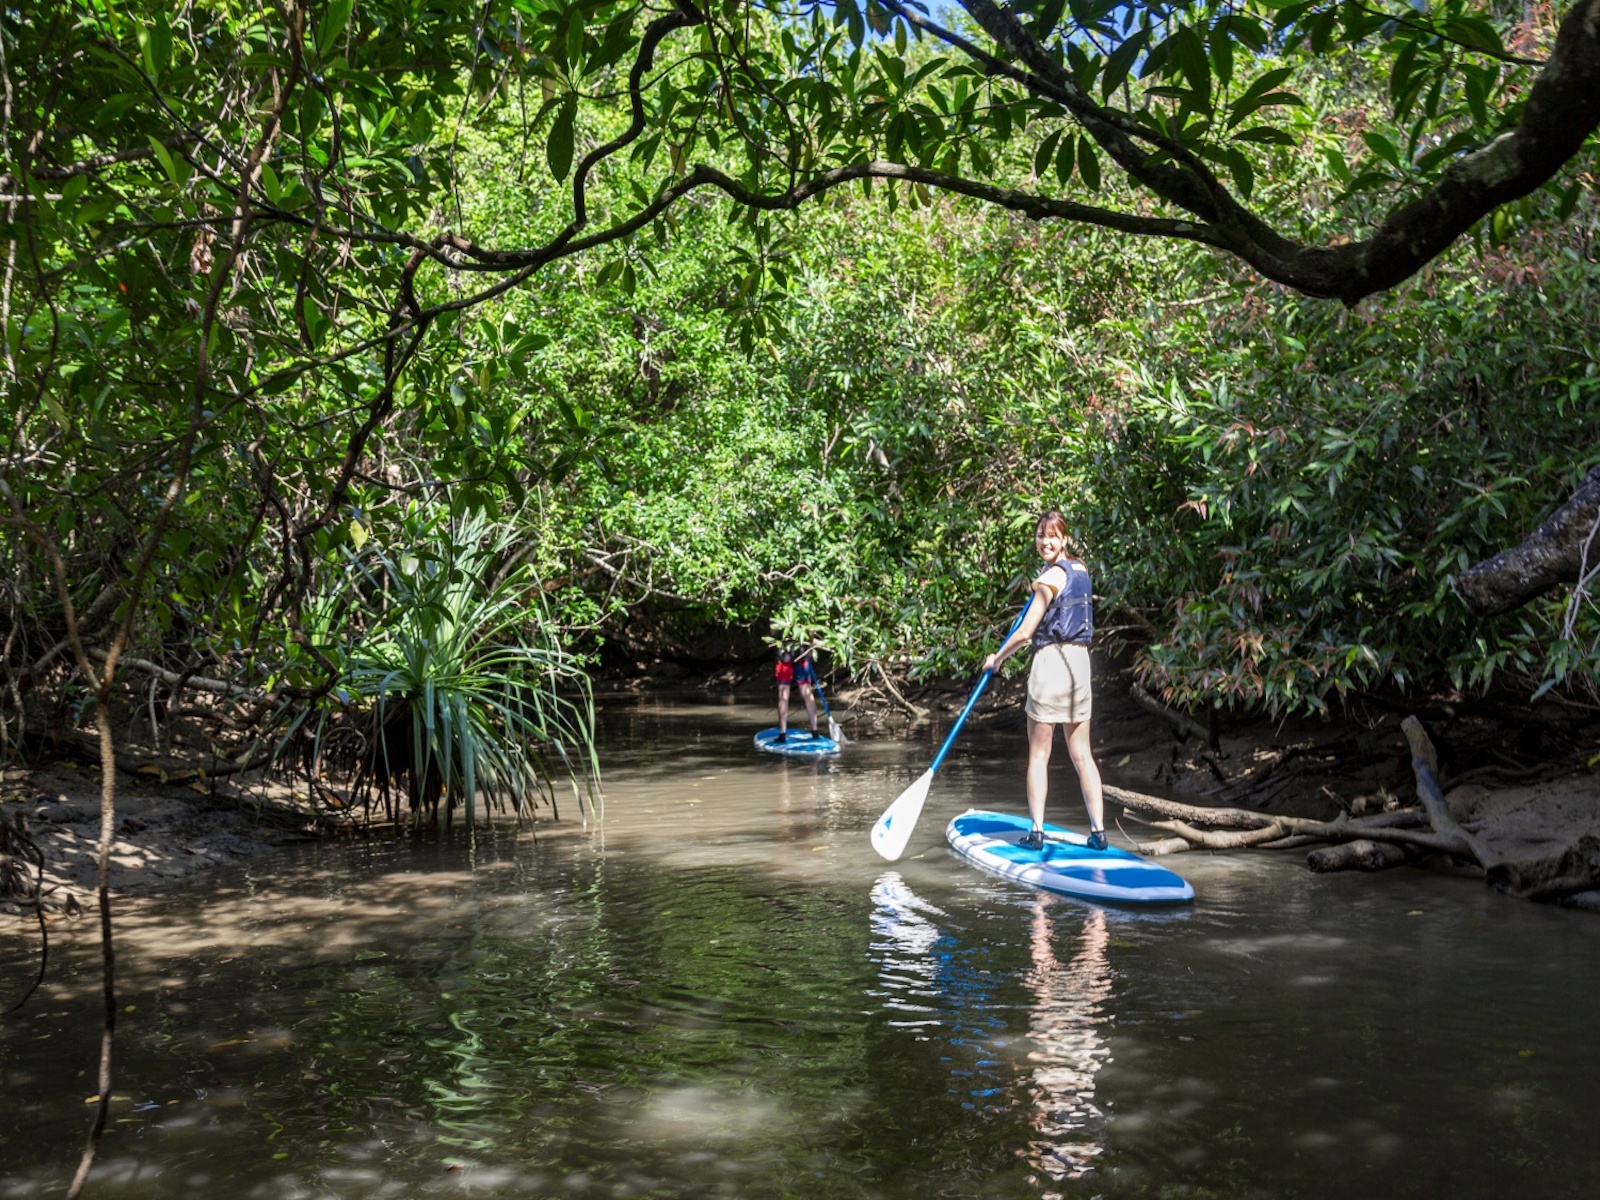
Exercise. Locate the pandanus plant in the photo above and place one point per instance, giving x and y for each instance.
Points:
(457, 682)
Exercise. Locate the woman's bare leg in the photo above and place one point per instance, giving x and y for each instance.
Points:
(1088, 773)
(808, 694)
(783, 708)
(1040, 735)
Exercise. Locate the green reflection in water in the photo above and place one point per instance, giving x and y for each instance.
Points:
(615, 1027)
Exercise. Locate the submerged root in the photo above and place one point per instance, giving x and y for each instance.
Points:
(1363, 854)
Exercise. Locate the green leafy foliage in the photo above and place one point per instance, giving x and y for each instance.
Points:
(215, 372)
(1273, 494)
(1301, 484)
(276, 274)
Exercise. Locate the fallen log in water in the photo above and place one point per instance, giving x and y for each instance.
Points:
(1236, 828)
(1202, 817)
(1295, 841)
(1156, 849)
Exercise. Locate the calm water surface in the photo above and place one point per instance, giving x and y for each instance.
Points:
(725, 993)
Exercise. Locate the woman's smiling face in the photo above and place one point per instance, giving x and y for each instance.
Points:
(1048, 542)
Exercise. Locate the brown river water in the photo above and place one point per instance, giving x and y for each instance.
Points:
(721, 992)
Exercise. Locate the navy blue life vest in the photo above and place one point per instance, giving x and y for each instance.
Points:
(1070, 617)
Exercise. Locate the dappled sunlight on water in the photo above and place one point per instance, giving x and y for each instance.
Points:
(721, 991)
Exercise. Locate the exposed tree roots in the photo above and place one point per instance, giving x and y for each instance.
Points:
(1371, 843)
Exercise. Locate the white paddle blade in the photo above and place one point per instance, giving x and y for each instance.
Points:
(836, 732)
(894, 828)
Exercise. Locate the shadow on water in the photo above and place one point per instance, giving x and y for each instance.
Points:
(722, 992)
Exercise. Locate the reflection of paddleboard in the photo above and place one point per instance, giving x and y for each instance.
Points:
(800, 742)
(1065, 864)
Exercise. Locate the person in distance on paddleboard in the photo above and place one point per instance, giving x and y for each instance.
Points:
(1059, 625)
(795, 667)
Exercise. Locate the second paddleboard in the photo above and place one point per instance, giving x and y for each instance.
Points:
(799, 743)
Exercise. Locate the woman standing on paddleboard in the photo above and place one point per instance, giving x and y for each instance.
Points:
(1059, 624)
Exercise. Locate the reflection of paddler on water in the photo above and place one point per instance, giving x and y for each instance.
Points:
(950, 993)
(1068, 1010)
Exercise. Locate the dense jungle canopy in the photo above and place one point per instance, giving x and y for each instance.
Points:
(357, 346)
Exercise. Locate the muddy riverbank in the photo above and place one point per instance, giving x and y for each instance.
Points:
(164, 832)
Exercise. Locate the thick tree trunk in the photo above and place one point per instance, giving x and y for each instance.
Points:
(1559, 551)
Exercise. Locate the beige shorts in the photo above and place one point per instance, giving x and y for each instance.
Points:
(1058, 684)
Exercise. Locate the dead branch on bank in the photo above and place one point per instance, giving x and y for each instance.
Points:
(188, 679)
(1267, 783)
(1371, 843)
(160, 770)
(1425, 765)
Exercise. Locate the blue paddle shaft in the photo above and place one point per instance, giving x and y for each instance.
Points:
(983, 682)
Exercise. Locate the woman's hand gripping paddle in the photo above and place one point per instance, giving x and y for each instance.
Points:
(894, 828)
(834, 730)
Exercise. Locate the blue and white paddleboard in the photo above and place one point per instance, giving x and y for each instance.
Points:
(800, 742)
(1065, 864)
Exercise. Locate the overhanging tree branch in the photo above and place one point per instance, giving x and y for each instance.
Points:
(1560, 114)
